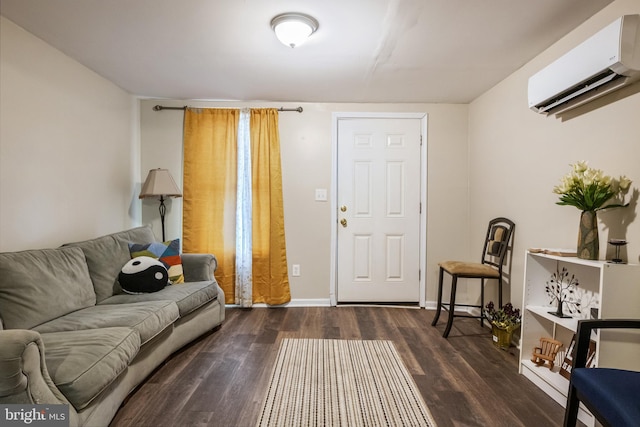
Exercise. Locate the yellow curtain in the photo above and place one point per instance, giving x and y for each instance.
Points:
(209, 191)
(210, 159)
(270, 274)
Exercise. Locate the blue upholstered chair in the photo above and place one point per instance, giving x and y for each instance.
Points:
(612, 395)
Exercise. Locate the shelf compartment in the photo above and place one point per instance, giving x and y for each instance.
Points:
(570, 323)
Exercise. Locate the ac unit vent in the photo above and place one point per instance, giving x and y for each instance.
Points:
(562, 99)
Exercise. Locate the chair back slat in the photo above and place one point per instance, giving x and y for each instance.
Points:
(497, 241)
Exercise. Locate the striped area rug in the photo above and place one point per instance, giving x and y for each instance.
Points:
(342, 383)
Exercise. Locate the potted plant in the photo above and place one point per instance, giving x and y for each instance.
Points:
(504, 321)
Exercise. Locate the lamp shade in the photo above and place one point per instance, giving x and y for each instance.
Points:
(293, 29)
(159, 182)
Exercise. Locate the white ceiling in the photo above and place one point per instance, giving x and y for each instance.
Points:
(440, 51)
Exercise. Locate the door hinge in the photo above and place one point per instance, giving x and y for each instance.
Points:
(420, 209)
(419, 275)
(421, 140)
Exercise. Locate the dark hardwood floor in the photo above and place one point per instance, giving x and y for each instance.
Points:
(220, 379)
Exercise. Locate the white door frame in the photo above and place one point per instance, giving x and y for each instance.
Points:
(335, 118)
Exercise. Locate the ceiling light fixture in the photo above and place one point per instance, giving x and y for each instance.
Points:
(293, 29)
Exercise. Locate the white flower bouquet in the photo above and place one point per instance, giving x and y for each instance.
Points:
(589, 189)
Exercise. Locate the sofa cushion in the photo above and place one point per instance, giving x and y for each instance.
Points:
(84, 363)
(167, 253)
(149, 318)
(39, 285)
(188, 296)
(107, 254)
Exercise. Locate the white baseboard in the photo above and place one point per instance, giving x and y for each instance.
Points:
(431, 305)
(312, 302)
(317, 302)
(325, 302)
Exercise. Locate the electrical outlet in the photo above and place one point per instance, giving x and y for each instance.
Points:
(295, 270)
(321, 194)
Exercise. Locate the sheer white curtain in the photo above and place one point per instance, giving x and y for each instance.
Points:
(244, 250)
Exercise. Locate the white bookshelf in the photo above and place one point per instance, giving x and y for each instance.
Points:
(611, 289)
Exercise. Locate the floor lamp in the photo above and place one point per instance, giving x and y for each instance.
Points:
(160, 183)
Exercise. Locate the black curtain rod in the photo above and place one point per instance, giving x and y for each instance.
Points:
(160, 108)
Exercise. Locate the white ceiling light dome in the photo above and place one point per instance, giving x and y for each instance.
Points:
(293, 29)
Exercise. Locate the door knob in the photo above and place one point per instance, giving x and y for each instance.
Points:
(343, 208)
(343, 221)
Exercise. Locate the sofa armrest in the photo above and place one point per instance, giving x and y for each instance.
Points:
(199, 267)
(23, 373)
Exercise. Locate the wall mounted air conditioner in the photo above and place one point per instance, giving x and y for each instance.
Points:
(607, 61)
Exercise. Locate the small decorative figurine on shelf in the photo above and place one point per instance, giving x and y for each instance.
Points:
(617, 243)
(546, 353)
(563, 289)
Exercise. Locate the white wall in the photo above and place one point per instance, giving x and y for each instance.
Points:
(69, 150)
(306, 165)
(517, 156)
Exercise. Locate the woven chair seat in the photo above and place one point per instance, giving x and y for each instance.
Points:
(469, 269)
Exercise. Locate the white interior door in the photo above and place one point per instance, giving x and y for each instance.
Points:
(378, 202)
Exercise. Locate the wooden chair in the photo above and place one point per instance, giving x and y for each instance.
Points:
(495, 248)
(546, 352)
(611, 395)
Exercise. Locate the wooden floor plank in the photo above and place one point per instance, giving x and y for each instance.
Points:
(221, 379)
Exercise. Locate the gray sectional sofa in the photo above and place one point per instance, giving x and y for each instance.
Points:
(69, 335)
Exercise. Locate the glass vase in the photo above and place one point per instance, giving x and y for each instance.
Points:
(588, 242)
